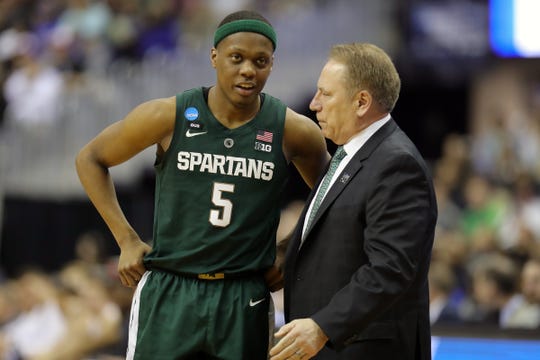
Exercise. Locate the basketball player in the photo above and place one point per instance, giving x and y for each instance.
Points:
(222, 158)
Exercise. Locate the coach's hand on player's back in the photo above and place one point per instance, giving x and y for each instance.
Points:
(274, 275)
(274, 278)
(130, 265)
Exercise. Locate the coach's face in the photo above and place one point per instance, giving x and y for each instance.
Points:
(333, 103)
(337, 109)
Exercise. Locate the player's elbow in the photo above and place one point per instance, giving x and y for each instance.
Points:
(82, 158)
(85, 160)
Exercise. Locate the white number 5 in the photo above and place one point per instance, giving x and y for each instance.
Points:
(222, 217)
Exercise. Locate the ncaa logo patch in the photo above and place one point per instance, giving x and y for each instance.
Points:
(191, 114)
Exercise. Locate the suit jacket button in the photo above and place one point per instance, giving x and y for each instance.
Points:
(298, 278)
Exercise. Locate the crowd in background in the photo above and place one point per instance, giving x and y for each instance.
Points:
(486, 256)
(46, 45)
(80, 311)
(486, 259)
(69, 68)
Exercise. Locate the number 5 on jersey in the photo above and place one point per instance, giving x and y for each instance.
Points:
(221, 217)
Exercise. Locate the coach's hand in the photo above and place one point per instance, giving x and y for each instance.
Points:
(130, 265)
(299, 339)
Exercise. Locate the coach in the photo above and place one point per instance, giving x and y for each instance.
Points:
(356, 268)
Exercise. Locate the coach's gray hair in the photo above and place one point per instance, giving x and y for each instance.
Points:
(369, 68)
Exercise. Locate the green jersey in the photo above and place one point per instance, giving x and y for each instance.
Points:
(218, 190)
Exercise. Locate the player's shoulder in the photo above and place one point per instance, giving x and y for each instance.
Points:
(163, 102)
(152, 115)
(158, 107)
(297, 124)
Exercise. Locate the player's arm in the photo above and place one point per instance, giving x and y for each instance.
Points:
(305, 146)
(148, 124)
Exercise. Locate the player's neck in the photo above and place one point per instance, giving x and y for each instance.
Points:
(229, 114)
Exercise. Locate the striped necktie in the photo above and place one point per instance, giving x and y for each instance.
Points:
(334, 163)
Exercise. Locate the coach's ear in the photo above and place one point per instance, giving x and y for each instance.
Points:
(363, 101)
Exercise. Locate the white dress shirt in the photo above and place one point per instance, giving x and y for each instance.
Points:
(351, 148)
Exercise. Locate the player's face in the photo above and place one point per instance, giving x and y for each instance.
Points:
(335, 107)
(243, 62)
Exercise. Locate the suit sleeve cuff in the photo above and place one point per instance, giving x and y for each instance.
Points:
(333, 341)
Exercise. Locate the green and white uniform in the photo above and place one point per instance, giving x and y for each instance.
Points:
(217, 209)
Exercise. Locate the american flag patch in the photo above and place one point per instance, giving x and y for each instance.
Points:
(265, 136)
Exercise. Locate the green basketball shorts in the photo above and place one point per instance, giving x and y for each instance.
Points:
(176, 317)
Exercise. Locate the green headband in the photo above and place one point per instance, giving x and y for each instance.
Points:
(246, 25)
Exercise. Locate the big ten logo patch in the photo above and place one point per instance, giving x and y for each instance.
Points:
(259, 146)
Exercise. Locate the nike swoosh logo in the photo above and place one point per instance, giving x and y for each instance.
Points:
(190, 134)
(253, 303)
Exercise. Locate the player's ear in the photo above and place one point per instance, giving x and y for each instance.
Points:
(213, 55)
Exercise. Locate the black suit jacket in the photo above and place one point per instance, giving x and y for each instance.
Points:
(361, 272)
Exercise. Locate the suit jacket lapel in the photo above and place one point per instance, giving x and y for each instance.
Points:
(350, 171)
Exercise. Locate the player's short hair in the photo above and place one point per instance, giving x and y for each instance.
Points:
(243, 15)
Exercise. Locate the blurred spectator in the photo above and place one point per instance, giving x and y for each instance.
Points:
(530, 281)
(491, 150)
(450, 213)
(442, 283)
(452, 168)
(484, 211)
(520, 231)
(527, 312)
(495, 294)
(69, 316)
(93, 319)
(87, 21)
(79, 316)
(159, 32)
(455, 148)
(33, 90)
(90, 250)
(451, 248)
(122, 32)
(8, 302)
(197, 20)
(91, 262)
(38, 300)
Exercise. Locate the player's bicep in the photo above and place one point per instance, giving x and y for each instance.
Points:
(146, 125)
(112, 146)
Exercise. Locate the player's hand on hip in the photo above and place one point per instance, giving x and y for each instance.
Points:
(299, 339)
(130, 265)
